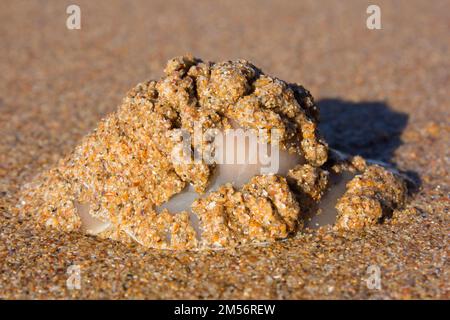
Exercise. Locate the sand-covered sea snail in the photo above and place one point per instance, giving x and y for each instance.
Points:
(123, 181)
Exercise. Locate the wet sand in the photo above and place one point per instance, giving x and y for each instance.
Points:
(383, 94)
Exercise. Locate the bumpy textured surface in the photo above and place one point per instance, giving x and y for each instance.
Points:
(309, 181)
(124, 169)
(382, 94)
(370, 197)
(265, 209)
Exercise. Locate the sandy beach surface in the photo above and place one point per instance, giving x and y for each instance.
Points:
(383, 94)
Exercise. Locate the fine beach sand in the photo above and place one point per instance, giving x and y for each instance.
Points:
(383, 94)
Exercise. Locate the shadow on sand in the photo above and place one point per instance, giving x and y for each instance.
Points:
(370, 129)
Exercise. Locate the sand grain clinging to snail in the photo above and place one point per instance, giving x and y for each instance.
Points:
(122, 182)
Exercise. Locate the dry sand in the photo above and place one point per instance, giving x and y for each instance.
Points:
(383, 94)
